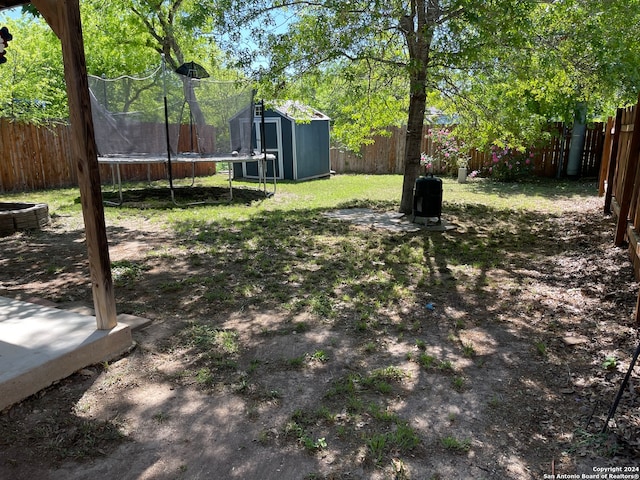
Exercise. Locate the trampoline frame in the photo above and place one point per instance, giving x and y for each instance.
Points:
(118, 159)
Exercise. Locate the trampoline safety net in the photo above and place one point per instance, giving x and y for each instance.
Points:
(203, 116)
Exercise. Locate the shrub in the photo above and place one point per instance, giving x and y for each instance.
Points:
(449, 153)
(508, 165)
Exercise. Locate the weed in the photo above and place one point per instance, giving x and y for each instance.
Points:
(377, 446)
(207, 338)
(320, 356)
(204, 377)
(382, 414)
(54, 270)
(274, 394)
(458, 383)
(218, 296)
(296, 362)
(610, 363)
(426, 361)
(445, 365)
(370, 347)
(298, 431)
(354, 404)
(402, 440)
(421, 344)
(541, 348)
(594, 442)
(456, 445)
(322, 306)
(324, 413)
(242, 386)
(343, 386)
(378, 380)
(125, 271)
(253, 366)
(300, 327)
(264, 437)
(362, 325)
(468, 350)
(389, 373)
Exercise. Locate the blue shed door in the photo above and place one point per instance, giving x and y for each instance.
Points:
(273, 135)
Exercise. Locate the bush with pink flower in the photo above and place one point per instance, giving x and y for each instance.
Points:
(508, 165)
(432, 164)
(448, 152)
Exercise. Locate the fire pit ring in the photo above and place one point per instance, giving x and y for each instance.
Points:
(16, 217)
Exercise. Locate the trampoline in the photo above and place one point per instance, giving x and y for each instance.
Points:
(178, 117)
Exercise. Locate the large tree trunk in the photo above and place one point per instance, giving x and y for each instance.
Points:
(413, 145)
(418, 30)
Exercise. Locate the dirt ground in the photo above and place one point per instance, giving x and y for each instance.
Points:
(507, 373)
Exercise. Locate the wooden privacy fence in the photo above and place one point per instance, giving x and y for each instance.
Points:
(36, 157)
(620, 179)
(386, 154)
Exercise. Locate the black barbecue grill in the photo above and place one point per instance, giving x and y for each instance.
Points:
(427, 198)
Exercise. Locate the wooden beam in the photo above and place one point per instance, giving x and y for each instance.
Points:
(613, 160)
(48, 9)
(630, 180)
(64, 17)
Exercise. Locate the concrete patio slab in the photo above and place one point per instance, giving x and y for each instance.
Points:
(40, 345)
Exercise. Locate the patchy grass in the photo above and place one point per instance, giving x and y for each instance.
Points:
(320, 328)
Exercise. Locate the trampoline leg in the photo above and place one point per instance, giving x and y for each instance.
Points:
(117, 204)
(270, 194)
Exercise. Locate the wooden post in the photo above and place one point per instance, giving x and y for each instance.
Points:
(64, 18)
(629, 181)
(613, 160)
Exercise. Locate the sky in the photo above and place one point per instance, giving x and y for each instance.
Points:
(14, 12)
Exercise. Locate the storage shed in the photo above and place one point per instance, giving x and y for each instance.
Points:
(299, 137)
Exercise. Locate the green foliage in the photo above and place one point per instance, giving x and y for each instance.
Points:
(402, 440)
(32, 86)
(361, 102)
(364, 69)
(120, 38)
(610, 363)
(456, 445)
(571, 51)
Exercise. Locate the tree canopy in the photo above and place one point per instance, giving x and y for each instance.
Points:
(574, 53)
(415, 45)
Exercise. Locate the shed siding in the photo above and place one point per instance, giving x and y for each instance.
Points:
(312, 145)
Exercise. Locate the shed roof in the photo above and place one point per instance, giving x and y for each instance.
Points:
(297, 111)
